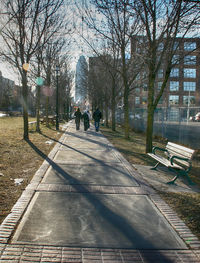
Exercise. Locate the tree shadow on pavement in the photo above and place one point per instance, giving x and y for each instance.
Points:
(120, 223)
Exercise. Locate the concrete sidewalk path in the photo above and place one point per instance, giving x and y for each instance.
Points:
(86, 204)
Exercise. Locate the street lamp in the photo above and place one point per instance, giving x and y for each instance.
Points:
(57, 96)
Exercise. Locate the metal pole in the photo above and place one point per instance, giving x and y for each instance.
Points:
(57, 112)
(188, 108)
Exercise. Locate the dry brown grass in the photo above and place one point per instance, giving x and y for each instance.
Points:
(19, 159)
(186, 205)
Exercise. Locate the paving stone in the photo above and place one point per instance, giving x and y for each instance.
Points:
(10, 261)
(30, 259)
(104, 175)
(82, 156)
(10, 257)
(96, 220)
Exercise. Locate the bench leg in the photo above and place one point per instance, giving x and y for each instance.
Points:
(180, 173)
(188, 178)
(154, 168)
(173, 180)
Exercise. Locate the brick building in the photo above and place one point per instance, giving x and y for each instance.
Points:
(182, 94)
(6, 92)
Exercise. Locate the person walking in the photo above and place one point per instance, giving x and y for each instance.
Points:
(78, 116)
(86, 120)
(97, 116)
(88, 112)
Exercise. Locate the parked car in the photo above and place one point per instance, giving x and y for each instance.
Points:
(196, 117)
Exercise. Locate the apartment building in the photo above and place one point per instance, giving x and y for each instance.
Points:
(6, 91)
(182, 94)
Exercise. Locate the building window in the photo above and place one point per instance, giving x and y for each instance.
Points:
(175, 59)
(173, 99)
(189, 46)
(190, 60)
(144, 75)
(176, 46)
(188, 100)
(189, 86)
(137, 90)
(161, 100)
(160, 47)
(159, 85)
(174, 85)
(144, 100)
(173, 114)
(174, 73)
(145, 87)
(160, 73)
(189, 73)
(137, 100)
(137, 77)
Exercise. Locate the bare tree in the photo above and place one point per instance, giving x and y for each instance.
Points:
(28, 22)
(117, 25)
(52, 50)
(163, 21)
(65, 86)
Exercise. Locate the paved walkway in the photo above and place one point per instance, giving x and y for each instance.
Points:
(86, 204)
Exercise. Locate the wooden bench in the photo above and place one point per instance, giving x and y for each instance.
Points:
(32, 124)
(51, 120)
(176, 158)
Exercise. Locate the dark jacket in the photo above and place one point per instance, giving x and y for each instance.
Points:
(85, 116)
(77, 115)
(97, 115)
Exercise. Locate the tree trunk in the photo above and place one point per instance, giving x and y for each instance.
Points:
(150, 115)
(25, 105)
(48, 76)
(113, 107)
(106, 112)
(67, 108)
(149, 130)
(38, 109)
(126, 112)
(126, 93)
(57, 104)
(47, 111)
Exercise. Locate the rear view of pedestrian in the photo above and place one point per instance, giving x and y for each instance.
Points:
(78, 116)
(86, 120)
(97, 116)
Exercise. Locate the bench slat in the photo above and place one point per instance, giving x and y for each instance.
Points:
(178, 153)
(32, 124)
(179, 150)
(164, 161)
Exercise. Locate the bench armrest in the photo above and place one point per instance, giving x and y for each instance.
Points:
(156, 148)
(182, 159)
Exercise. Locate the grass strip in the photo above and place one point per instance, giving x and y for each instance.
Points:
(20, 159)
(186, 205)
